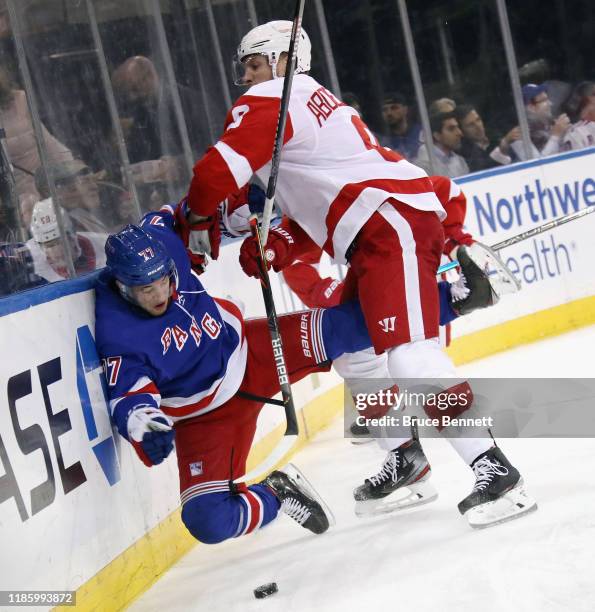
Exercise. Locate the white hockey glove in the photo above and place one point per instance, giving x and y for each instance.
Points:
(237, 209)
(150, 432)
(235, 223)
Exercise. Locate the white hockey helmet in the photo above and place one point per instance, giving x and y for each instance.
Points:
(44, 223)
(271, 39)
(45, 230)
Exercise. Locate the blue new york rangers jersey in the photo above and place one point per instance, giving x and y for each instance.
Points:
(188, 361)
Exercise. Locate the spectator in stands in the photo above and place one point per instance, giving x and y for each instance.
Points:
(476, 148)
(441, 105)
(26, 205)
(16, 269)
(403, 135)
(20, 141)
(581, 107)
(151, 131)
(77, 192)
(5, 29)
(42, 259)
(7, 43)
(447, 137)
(538, 71)
(118, 205)
(7, 230)
(351, 100)
(47, 246)
(545, 131)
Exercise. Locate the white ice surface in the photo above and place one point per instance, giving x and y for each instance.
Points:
(426, 559)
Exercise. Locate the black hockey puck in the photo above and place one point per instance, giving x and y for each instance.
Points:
(265, 590)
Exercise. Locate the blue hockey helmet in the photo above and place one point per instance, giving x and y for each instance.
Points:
(135, 257)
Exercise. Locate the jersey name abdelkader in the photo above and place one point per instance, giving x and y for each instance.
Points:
(188, 361)
(333, 173)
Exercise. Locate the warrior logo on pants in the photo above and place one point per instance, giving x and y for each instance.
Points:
(388, 324)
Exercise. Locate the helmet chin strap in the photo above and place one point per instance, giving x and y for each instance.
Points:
(273, 64)
(76, 247)
(126, 293)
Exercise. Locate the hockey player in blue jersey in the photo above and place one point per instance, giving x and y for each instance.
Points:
(183, 365)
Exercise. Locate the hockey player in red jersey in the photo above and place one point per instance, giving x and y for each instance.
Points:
(364, 205)
(314, 291)
(302, 275)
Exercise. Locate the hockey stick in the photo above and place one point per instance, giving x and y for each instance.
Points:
(290, 437)
(528, 234)
(287, 81)
(291, 434)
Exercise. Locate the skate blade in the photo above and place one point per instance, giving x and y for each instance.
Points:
(298, 477)
(514, 504)
(416, 494)
(501, 278)
(362, 440)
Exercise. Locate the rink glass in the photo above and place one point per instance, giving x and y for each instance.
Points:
(63, 56)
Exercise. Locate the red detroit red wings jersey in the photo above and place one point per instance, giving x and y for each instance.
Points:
(333, 173)
(314, 291)
(453, 199)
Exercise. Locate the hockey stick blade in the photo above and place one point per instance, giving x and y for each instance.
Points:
(283, 447)
(526, 235)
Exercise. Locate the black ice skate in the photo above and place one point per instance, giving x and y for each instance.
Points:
(498, 494)
(401, 483)
(473, 290)
(299, 500)
(360, 434)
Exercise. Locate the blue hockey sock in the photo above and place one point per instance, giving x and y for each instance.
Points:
(338, 320)
(447, 314)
